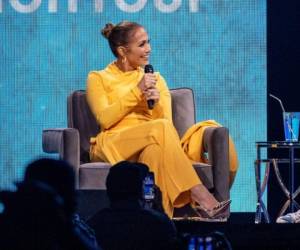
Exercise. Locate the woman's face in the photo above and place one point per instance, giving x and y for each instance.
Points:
(137, 51)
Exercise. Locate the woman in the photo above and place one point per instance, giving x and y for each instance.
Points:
(118, 98)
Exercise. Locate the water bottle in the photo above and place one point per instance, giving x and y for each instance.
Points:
(192, 244)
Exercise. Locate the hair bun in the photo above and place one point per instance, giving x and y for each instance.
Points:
(106, 31)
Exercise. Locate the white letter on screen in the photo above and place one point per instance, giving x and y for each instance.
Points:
(0, 6)
(72, 6)
(167, 8)
(131, 8)
(52, 6)
(98, 5)
(25, 8)
(194, 5)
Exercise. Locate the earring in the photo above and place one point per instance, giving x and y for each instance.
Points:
(124, 60)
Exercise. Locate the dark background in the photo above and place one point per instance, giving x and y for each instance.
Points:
(283, 77)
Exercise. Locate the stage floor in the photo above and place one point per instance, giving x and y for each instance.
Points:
(247, 235)
(240, 229)
(91, 201)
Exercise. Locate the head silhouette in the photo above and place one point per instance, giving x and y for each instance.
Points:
(56, 174)
(125, 181)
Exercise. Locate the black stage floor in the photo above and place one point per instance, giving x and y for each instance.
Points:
(240, 229)
(91, 201)
(247, 235)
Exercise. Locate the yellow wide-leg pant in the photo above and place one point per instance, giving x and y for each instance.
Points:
(155, 143)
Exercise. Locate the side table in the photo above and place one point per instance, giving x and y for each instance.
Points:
(261, 184)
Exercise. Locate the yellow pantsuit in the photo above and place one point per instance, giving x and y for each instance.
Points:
(130, 131)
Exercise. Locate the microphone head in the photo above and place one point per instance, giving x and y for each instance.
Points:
(149, 68)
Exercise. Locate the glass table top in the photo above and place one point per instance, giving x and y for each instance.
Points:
(274, 144)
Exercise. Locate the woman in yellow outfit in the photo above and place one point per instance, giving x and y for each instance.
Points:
(118, 98)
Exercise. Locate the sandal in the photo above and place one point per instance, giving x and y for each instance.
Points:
(213, 213)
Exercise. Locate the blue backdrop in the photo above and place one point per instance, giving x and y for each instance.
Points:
(216, 47)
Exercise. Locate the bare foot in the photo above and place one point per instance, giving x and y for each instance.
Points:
(202, 196)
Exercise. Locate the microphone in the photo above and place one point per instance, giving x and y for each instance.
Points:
(149, 69)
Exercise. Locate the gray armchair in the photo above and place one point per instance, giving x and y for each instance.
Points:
(72, 145)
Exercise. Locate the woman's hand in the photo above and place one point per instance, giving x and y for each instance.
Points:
(147, 86)
(148, 81)
(152, 94)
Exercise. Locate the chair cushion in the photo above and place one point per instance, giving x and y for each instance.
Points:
(93, 175)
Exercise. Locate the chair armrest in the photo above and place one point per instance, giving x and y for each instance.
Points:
(216, 143)
(65, 142)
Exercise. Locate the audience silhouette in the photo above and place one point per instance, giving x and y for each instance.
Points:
(126, 224)
(40, 214)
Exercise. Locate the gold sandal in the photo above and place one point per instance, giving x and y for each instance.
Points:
(213, 213)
